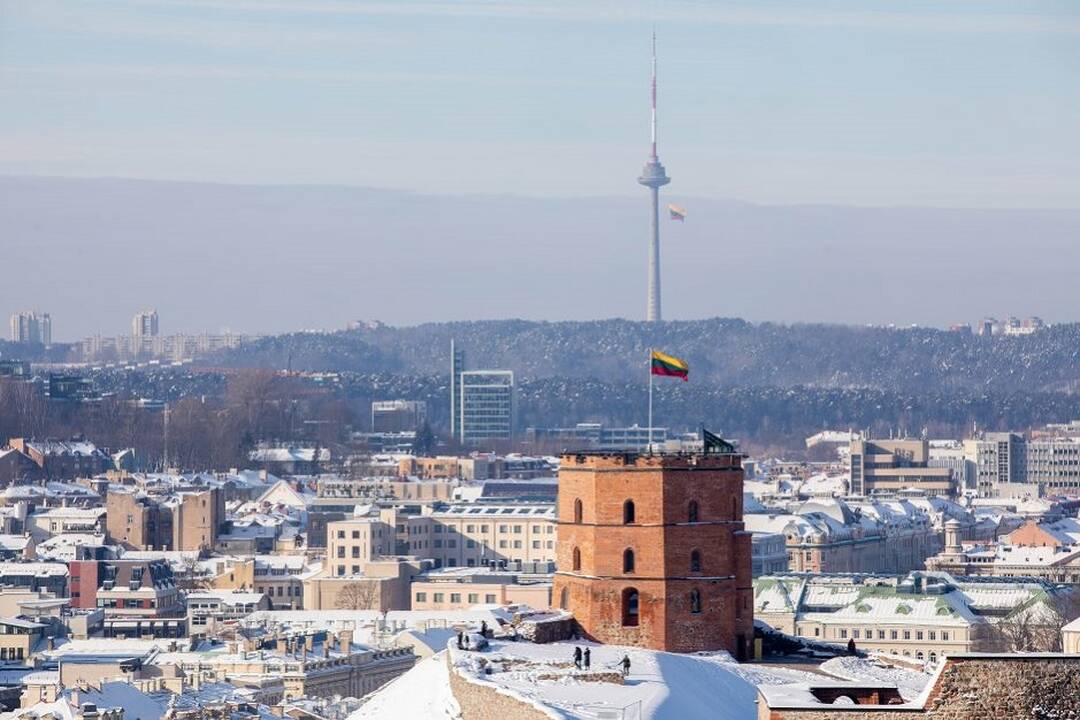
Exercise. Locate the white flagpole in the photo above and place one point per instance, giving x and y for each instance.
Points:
(650, 400)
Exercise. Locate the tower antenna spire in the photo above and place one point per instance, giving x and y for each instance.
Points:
(653, 155)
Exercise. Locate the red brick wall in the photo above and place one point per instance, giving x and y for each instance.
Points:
(662, 540)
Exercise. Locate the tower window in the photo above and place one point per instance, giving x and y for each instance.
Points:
(628, 560)
(628, 512)
(577, 559)
(564, 598)
(630, 602)
(577, 511)
(692, 512)
(695, 601)
(695, 561)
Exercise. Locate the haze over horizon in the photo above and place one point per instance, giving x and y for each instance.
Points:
(417, 161)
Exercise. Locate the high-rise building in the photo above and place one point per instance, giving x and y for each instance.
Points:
(893, 465)
(457, 366)
(486, 405)
(31, 326)
(654, 177)
(652, 551)
(145, 324)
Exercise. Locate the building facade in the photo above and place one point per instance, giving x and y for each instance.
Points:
(894, 465)
(31, 326)
(652, 551)
(486, 405)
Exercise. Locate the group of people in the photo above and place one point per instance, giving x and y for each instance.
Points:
(463, 638)
(583, 660)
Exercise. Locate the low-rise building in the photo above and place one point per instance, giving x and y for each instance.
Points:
(462, 588)
(139, 597)
(209, 610)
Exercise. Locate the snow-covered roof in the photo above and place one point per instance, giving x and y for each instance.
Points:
(40, 569)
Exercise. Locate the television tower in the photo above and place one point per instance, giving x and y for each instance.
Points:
(653, 177)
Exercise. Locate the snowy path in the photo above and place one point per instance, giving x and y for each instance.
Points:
(423, 692)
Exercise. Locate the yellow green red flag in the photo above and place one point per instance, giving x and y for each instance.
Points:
(669, 365)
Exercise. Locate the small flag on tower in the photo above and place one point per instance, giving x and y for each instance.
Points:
(669, 365)
(677, 213)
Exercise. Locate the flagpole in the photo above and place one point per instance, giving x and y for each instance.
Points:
(650, 400)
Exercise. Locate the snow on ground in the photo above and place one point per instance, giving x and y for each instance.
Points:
(422, 692)
(664, 686)
(910, 682)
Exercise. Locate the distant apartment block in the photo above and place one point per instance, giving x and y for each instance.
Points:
(393, 416)
(145, 324)
(174, 348)
(182, 520)
(31, 326)
(1007, 464)
(893, 465)
(486, 410)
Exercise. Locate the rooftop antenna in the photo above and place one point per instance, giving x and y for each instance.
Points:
(653, 153)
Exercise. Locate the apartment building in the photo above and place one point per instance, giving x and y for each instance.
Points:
(353, 543)
(477, 534)
(185, 519)
(486, 409)
(139, 597)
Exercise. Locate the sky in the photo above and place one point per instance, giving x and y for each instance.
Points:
(952, 103)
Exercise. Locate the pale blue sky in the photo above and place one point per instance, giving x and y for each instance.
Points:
(854, 102)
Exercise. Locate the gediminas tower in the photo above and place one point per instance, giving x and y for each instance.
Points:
(652, 551)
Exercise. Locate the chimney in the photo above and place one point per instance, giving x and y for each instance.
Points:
(326, 645)
(345, 641)
(309, 641)
(282, 645)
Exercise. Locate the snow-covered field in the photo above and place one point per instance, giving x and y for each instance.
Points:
(909, 682)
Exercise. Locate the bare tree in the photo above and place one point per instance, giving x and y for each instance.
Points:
(1036, 626)
(190, 575)
(358, 596)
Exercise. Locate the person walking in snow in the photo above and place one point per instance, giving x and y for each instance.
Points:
(459, 641)
(483, 628)
(466, 641)
(587, 657)
(577, 657)
(851, 646)
(625, 665)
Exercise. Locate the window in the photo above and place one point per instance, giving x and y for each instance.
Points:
(576, 559)
(907, 634)
(455, 597)
(892, 634)
(470, 528)
(489, 598)
(439, 597)
(843, 632)
(502, 544)
(933, 635)
(628, 512)
(692, 512)
(630, 602)
(944, 634)
(470, 543)
(536, 544)
(341, 534)
(517, 544)
(933, 656)
(918, 634)
(880, 634)
(695, 561)
(474, 598)
(577, 512)
(483, 528)
(356, 551)
(628, 561)
(517, 529)
(504, 528)
(695, 601)
(341, 551)
(356, 534)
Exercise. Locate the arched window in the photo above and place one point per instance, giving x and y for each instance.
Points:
(628, 512)
(577, 559)
(630, 600)
(695, 601)
(695, 561)
(628, 560)
(564, 598)
(918, 655)
(933, 657)
(692, 512)
(577, 511)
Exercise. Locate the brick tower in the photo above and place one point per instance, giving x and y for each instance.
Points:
(652, 551)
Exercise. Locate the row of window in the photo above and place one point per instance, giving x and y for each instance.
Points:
(629, 562)
(455, 598)
(630, 511)
(868, 634)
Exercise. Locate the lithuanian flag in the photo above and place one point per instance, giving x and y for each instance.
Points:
(663, 364)
(677, 212)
